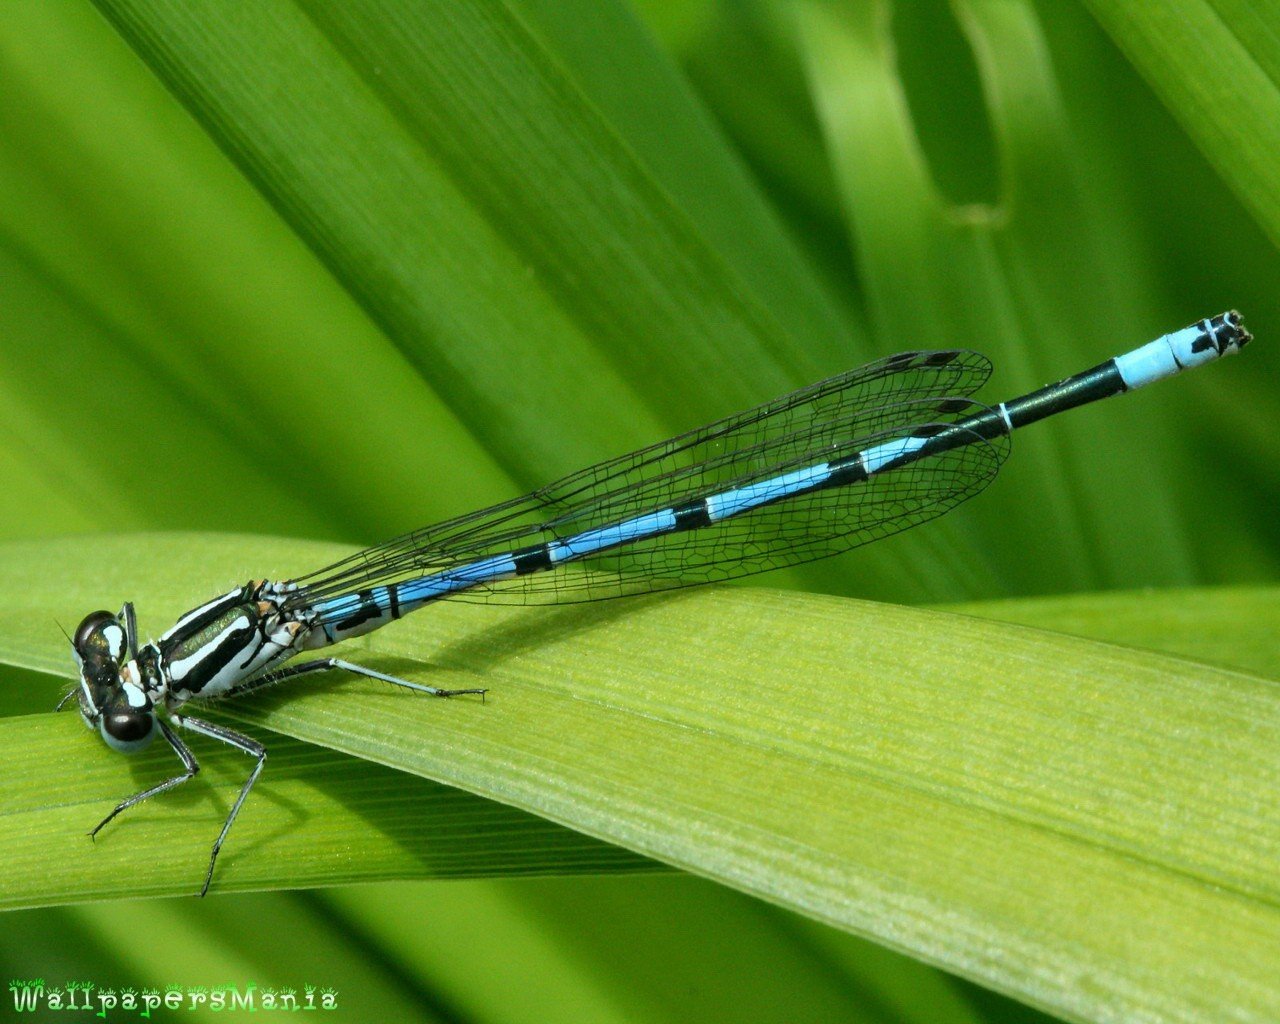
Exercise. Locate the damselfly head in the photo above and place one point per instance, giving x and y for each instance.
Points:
(110, 698)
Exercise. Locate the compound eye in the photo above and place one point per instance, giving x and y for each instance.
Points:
(99, 636)
(128, 731)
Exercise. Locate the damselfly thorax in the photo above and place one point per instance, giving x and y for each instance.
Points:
(207, 653)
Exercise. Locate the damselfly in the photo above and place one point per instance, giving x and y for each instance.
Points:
(840, 463)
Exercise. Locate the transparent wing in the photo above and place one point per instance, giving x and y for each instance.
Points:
(903, 395)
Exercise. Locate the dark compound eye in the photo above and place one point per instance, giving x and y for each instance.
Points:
(99, 636)
(128, 730)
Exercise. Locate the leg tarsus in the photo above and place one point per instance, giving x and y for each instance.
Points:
(249, 746)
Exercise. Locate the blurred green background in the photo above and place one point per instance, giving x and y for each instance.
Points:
(332, 271)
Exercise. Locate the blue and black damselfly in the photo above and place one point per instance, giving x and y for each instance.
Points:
(840, 463)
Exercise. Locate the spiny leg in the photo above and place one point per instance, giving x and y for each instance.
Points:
(189, 763)
(255, 749)
(251, 747)
(326, 664)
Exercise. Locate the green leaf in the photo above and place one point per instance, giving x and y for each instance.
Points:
(323, 819)
(527, 214)
(1022, 807)
(1234, 627)
(1232, 112)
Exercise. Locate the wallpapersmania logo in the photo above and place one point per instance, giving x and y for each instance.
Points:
(111, 1003)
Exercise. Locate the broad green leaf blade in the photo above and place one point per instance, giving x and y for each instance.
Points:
(1021, 807)
(1235, 627)
(324, 819)
(1216, 65)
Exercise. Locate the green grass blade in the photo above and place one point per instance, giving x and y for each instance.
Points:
(139, 251)
(1019, 806)
(401, 116)
(1235, 627)
(1232, 111)
(324, 819)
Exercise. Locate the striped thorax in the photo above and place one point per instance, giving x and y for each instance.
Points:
(206, 653)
